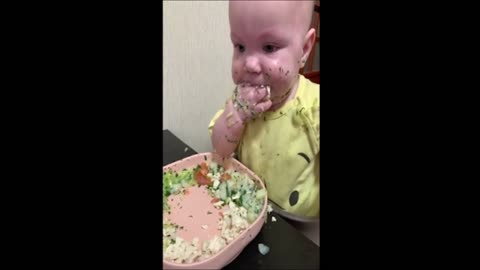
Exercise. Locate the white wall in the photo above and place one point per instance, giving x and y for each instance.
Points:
(197, 57)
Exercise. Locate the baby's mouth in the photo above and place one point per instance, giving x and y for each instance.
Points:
(257, 86)
(246, 84)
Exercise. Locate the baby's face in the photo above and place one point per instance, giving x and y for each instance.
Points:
(268, 42)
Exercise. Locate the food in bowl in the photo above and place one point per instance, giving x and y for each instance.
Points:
(236, 201)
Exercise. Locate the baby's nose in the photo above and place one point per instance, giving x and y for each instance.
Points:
(252, 65)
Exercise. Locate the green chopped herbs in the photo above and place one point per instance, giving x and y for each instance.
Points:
(174, 183)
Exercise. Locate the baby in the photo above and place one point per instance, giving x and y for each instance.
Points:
(272, 120)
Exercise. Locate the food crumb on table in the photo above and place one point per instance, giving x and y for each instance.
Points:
(273, 219)
(264, 249)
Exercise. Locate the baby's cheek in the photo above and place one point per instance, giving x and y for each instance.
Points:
(283, 75)
(280, 70)
(235, 73)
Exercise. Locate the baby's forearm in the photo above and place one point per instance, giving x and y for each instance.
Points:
(227, 131)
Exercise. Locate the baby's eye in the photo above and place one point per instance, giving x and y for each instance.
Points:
(240, 47)
(270, 48)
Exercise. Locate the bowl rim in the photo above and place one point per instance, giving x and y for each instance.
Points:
(241, 235)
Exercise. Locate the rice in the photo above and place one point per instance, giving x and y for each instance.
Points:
(234, 222)
(183, 252)
(211, 247)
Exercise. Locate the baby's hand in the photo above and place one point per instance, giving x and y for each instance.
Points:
(251, 101)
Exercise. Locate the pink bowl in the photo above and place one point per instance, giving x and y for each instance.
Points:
(233, 249)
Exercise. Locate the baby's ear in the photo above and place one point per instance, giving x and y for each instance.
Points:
(308, 42)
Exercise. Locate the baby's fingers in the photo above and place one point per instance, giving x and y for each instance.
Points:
(254, 95)
(262, 93)
(263, 106)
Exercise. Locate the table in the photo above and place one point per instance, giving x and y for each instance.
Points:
(289, 249)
